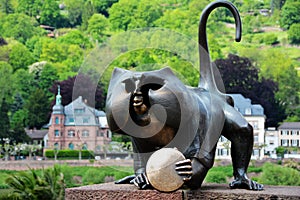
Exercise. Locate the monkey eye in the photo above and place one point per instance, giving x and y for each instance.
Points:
(129, 85)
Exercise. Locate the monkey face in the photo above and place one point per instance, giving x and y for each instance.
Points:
(133, 94)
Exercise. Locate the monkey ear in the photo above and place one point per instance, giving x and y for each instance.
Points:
(118, 71)
(166, 71)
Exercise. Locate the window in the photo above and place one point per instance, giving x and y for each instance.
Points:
(99, 133)
(79, 110)
(56, 133)
(285, 143)
(71, 120)
(86, 120)
(56, 120)
(294, 143)
(85, 133)
(71, 146)
(255, 124)
(224, 152)
(98, 148)
(84, 147)
(271, 142)
(255, 138)
(56, 146)
(71, 133)
(294, 132)
(248, 111)
(255, 152)
(284, 132)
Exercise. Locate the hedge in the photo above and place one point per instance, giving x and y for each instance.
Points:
(70, 154)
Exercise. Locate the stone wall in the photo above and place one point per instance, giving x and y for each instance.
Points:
(207, 191)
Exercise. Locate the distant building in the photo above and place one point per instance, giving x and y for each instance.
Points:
(78, 125)
(39, 137)
(254, 114)
(289, 134)
(271, 142)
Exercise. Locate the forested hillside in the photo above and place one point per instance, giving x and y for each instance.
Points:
(44, 43)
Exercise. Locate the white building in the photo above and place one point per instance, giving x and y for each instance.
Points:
(254, 114)
(271, 142)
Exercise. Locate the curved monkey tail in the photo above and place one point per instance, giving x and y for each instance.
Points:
(206, 74)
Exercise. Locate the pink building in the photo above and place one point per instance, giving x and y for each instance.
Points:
(77, 125)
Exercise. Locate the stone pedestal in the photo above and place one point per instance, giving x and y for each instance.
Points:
(207, 191)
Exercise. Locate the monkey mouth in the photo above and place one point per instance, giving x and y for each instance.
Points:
(138, 100)
(139, 105)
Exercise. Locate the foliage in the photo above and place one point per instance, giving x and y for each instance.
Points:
(278, 175)
(294, 34)
(19, 26)
(215, 177)
(50, 14)
(240, 76)
(4, 122)
(290, 14)
(38, 109)
(6, 6)
(69, 154)
(75, 37)
(270, 39)
(98, 26)
(85, 87)
(6, 90)
(20, 57)
(31, 185)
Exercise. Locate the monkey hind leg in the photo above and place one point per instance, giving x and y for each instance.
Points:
(240, 133)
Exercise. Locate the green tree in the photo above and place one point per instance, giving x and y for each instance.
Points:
(24, 83)
(29, 7)
(288, 94)
(47, 78)
(103, 6)
(53, 52)
(294, 34)
(4, 122)
(87, 12)
(75, 37)
(6, 6)
(20, 27)
(50, 13)
(290, 14)
(37, 106)
(98, 25)
(73, 61)
(6, 81)
(75, 9)
(119, 14)
(20, 57)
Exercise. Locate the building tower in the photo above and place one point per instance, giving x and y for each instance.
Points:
(56, 128)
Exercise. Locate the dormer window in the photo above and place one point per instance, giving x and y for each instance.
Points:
(79, 110)
(248, 111)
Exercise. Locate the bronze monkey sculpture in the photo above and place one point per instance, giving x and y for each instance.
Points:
(190, 119)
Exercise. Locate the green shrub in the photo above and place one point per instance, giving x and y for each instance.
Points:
(278, 175)
(85, 154)
(270, 39)
(5, 194)
(294, 34)
(215, 177)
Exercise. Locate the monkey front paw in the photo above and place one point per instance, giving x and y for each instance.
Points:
(141, 181)
(184, 169)
(246, 183)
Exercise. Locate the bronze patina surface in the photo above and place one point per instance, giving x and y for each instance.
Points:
(158, 111)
